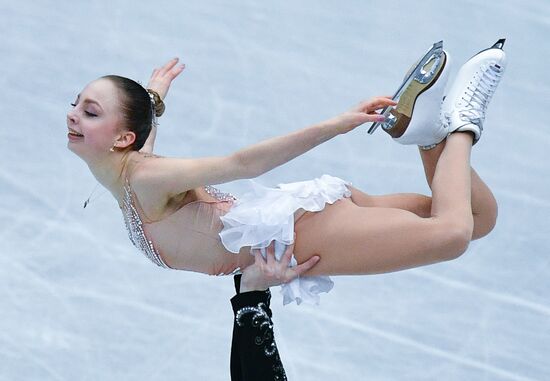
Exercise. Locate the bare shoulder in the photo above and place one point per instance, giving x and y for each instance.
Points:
(147, 186)
(160, 173)
(159, 180)
(177, 175)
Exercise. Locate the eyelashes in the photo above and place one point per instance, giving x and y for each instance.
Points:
(90, 114)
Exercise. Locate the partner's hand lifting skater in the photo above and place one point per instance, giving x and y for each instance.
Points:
(253, 316)
(268, 272)
(179, 220)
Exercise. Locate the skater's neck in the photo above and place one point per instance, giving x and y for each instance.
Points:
(109, 170)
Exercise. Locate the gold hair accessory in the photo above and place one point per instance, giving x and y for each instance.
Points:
(158, 104)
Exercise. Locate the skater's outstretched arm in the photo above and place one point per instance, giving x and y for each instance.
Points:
(172, 176)
(160, 82)
(264, 156)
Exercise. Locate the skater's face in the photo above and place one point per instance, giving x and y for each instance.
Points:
(95, 121)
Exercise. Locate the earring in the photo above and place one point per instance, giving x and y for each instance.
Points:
(112, 149)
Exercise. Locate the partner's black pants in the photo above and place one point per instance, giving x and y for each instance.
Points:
(254, 354)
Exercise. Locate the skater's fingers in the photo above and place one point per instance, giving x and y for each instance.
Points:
(161, 78)
(176, 71)
(168, 65)
(374, 104)
(381, 102)
(363, 106)
(375, 118)
(387, 102)
(381, 99)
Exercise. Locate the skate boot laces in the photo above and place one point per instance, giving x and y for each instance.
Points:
(473, 102)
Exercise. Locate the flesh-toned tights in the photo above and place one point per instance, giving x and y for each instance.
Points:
(375, 234)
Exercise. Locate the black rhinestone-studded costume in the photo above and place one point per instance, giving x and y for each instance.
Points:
(254, 354)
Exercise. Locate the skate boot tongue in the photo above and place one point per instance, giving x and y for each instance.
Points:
(476, 98)
(465, 105)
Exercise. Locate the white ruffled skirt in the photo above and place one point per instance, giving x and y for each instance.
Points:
(267, 214)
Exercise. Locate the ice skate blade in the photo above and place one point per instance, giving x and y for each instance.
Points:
(423, 73)
(497, 45)
(403, 113)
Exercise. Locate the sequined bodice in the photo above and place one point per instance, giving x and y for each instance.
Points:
(135, 225)
(218, 195)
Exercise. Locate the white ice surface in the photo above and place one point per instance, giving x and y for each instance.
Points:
(78, 302)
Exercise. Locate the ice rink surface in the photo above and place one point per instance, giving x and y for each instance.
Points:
(78, 302)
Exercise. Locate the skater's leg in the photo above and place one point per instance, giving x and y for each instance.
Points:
(362, 240)
(416, 203)
(484, 205)
(463, 109)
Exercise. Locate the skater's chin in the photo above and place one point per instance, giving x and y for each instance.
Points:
(74, 148)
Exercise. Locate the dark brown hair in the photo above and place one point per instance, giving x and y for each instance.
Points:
(136, 108)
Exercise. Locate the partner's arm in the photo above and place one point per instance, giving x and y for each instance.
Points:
(172, 176)
(160, 82)
(250, 361)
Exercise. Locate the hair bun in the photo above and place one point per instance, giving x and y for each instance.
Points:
(158, 104)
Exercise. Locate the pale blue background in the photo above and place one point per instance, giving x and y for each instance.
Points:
(78, 302)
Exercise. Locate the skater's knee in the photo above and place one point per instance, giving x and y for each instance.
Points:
(456, 239)
(484, 223)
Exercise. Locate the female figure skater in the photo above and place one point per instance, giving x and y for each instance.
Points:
(180, 221)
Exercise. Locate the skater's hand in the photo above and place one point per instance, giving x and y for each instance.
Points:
(265, 273)
(162, 78)
(364, 112)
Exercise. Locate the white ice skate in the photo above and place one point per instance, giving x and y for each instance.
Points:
(420, 94)
(466, 101)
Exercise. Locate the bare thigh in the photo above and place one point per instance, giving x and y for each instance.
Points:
(421, 205)
(352, 239)
(417, 203)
